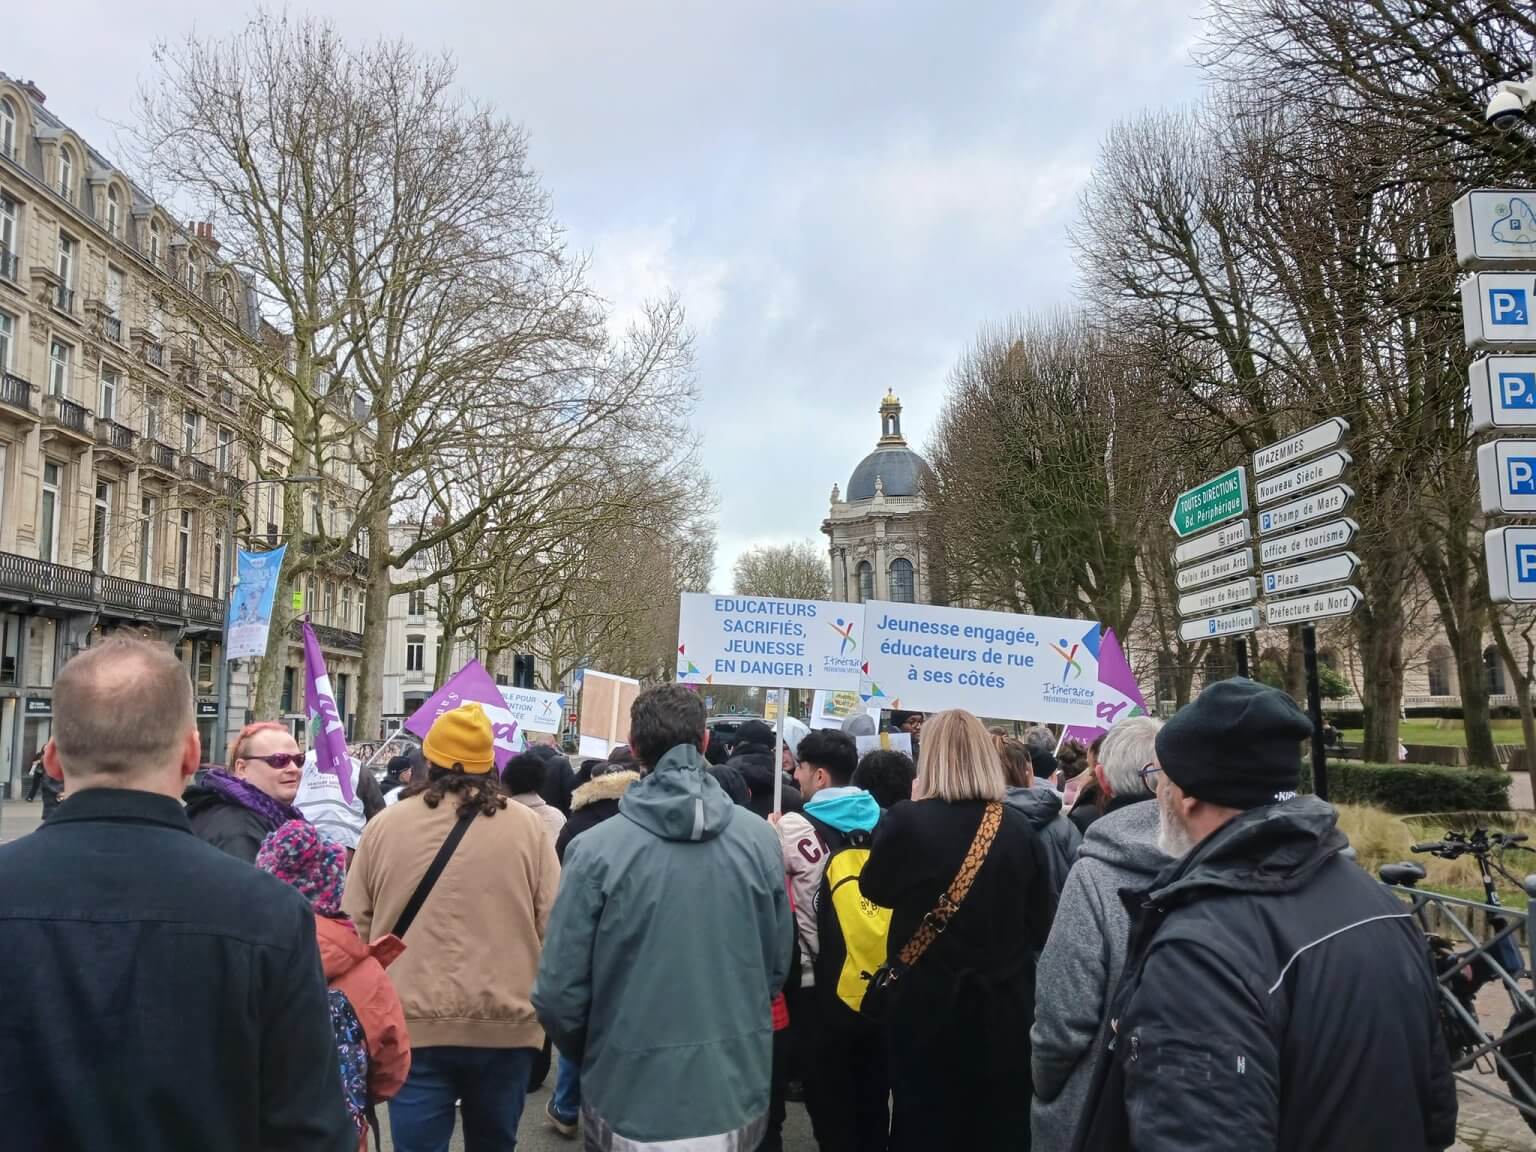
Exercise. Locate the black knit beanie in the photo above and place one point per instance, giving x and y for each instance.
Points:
(1237, 744)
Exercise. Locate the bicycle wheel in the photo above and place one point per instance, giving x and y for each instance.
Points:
(1521, 1055)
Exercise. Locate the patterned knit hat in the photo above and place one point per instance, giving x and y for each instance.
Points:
(299, 856)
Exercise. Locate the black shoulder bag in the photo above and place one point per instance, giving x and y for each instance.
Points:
(434, 870)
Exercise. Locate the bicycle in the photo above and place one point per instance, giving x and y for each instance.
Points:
(1463, 973)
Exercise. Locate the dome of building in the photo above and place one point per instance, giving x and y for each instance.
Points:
(898, 470)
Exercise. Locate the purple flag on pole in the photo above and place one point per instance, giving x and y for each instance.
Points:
(471, 683)
(327, 735)
(1117, 696)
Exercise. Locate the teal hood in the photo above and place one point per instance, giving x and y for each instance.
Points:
(679, 799)
(846, 809)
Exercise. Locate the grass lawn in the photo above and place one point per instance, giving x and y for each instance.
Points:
(1444, 733)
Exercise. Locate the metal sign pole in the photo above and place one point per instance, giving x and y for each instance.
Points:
(1315, 711)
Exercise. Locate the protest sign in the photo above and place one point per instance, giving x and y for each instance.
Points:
(884, 742)
(533, 710)
(830, 709)
(999, 665)
(471, 684)
(605, 704)
(250, 602)
(1118, 695)
(759, 641)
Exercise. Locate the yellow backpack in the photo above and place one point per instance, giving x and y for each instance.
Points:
(851, 931)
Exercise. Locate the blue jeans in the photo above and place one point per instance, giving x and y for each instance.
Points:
(490, 1083)
(566, 1103)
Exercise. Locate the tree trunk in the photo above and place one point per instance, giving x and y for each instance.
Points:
(1381, 658)
(1295, 666)
(1474, 698)
(269, 677)
(370, 702)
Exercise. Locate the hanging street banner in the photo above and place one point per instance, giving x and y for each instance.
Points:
(1218, 500)
(1208, 600)
(1317, 606)
(1211, 543)
(1118, 697)
(1212, 627)
(1307, 542)
(1495, 228)
(1238, 563)
(763, 642)
(1511, 564)
(1506, 476)
(1000, 665)
(1496, 310)
(1503, 392)
(1314, 573)
(1296, 480)
(471, 684)
(1313, 506)
(1308, 442)
(250, 602)
(533, 710)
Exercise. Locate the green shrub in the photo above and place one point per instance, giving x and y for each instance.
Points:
(1409, 788)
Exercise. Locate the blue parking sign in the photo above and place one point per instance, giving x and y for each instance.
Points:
(1507, 306)
(1525, 563)
(1521, 474)
(1517, 389)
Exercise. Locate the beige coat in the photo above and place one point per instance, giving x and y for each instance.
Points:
(466, 977)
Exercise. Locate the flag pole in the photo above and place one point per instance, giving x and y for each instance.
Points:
(778, 751)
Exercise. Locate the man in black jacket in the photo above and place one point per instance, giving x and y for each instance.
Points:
(1275, 996)
(752, 756)
(163, 994)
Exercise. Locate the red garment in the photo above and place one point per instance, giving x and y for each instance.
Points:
(780, 1005)
(357, 970)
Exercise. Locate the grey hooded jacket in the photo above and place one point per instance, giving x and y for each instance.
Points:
(1058, 835)
(1081, 965)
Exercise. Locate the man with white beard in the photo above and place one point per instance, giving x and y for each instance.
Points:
(1275, 996)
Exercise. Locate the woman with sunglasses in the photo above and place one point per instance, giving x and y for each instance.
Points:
(234, 808)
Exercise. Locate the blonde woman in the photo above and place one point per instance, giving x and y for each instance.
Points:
(959, 1015)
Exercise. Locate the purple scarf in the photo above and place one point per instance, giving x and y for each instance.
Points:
(272, 813)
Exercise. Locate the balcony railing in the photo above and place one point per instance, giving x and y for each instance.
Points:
(66, 414)
(10, 265)
(15, 392)
(136, 596)
(207, 609)
(192, 378)
(197, 471)
(112, 328)
(64, 299)
(226, 398)
(348, 561)
(158, 455)
(329, 637)
(111, 434)
(38, 578)
(154, 354)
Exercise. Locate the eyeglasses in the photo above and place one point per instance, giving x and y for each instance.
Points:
(279, 760)
(1146, 772)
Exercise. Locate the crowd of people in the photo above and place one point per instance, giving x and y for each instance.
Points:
(1154, 943)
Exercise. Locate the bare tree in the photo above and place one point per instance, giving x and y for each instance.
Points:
(797, 571)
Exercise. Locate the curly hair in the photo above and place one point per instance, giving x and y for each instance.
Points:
(474, 792)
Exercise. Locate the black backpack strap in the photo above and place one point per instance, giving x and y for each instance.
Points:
(434, 870)
(830, 836)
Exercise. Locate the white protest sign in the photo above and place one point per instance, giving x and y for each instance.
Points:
(830, 709)
(533, 710)
(884, 742)
(925, 658)
(763, 642)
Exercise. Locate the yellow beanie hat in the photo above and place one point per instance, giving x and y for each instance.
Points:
(462, 739)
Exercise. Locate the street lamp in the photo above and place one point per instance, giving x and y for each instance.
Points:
(231, 558)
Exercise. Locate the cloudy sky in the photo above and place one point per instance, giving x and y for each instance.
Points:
(842, 192)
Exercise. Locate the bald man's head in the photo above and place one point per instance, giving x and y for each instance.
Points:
(123, 717)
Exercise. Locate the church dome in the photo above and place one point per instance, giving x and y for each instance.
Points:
(899, 470)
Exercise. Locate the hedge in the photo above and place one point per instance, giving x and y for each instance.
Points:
(1412, 788)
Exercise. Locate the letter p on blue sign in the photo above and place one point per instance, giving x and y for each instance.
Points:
(1517, 389)
(1525, 563)
(1522, 475)
(1507, 306)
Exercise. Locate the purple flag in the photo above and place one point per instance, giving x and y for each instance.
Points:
(471, 684)
(1117, 696)
(327, 735)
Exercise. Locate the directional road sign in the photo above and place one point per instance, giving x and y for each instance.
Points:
(1213, 542)
(1506, 475)
(1313, 506)
(1231, 624)
(1511, 564)
(1295, 480)
(1503, 392)
(1307, 442)
(1238, 563)
(1497, 310)
(1496, 228)
(1244, 591)
(1307, 542)
(1214, 502)
(1313, 574)
(1315, 606)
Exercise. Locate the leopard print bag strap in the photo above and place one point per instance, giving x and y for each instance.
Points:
(935, 922)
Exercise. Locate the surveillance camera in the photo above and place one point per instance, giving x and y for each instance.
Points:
(1509, 103)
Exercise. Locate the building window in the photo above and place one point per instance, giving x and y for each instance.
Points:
(10, 239)
(7, 128)
(415, 652)
(202, 663)
(359, 612)
(191, 273)
(1493, 668)
(115, 292)
(418, 605)
(346, 606)
(288, 684)
(309, 595)
(154, 243)
(152, 416)
(866, 573)
(1440, 671)
(184, 550)
(218, 568)
(7, 340)
(101, 527)
(189, 431)
(66, 267)
(114, 211)
(226, 439)
(330, 603)
(106, 400)
(147, 538)
(48, 515)
(58, 368)
(903, 587)
(67, 173)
